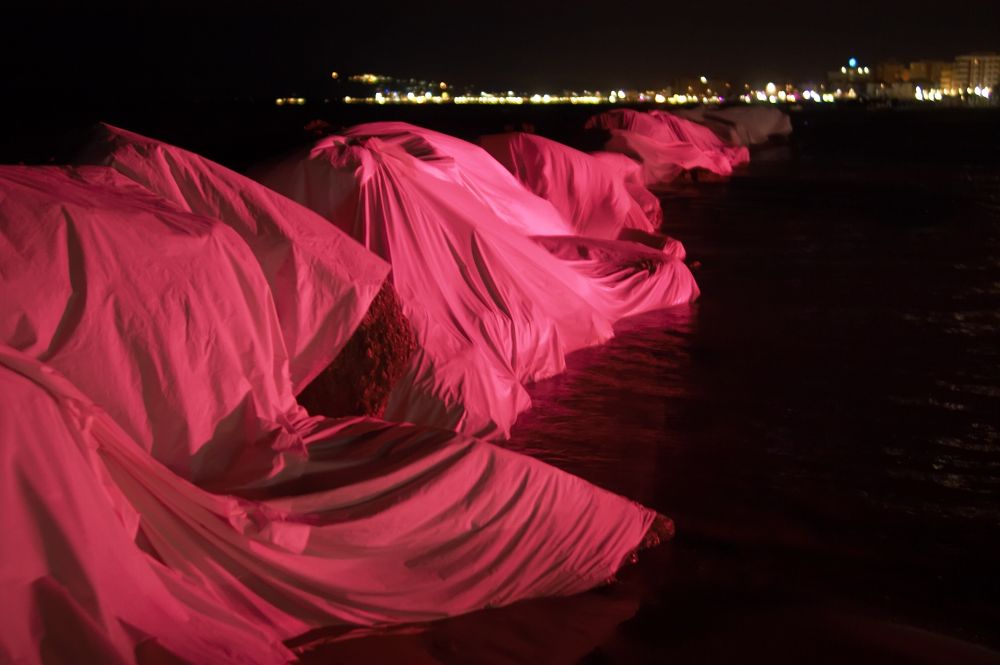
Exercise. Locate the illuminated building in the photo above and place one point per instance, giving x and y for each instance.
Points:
(948, 77)
(891, 71)
(702, 86)
(976, 70)
(927, 72)
(851, 79)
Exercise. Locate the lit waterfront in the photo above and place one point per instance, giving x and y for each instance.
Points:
(852, 82)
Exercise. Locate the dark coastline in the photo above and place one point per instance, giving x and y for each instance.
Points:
(240, 133)
(822, 424)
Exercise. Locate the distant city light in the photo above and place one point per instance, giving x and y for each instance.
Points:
(854, 81)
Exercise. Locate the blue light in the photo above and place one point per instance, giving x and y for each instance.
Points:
(852, 63)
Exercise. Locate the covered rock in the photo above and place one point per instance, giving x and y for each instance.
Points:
(631, 277)
(702, 137)
(665, 145)
(322, 280)
(162, 317)
(635, 184)
(491, 309)
(77, 589)
(593, 194)
(742, 125)
(475, 170)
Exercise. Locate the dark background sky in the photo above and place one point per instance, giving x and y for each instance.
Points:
(254, 48)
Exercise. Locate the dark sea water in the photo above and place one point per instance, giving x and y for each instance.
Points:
(824, 425)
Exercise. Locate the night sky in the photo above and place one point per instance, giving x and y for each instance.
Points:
(255, 48)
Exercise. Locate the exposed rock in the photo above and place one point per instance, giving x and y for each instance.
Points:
(358, 381)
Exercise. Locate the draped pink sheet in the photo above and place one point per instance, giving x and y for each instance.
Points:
(321, 279)
(492, 310)
(741, 125)
(378, 523)
(635, 184)
(666, 145)
(163, 318)
(702, 137)
(127, 323)
(589, 192)
(76, 588)
(630, 278)
(584, 180)
(473, 168)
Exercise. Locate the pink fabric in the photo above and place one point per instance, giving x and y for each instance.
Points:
(635, 184)
(662, 163)
(127, 324)
(742, 125)
(473, 168)
(76, 588)
(702, 138)
(491, 309)
(375, 523)
(162, 317)
(322, 281)
(629, 277)
(666, 145)
(591, 193)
